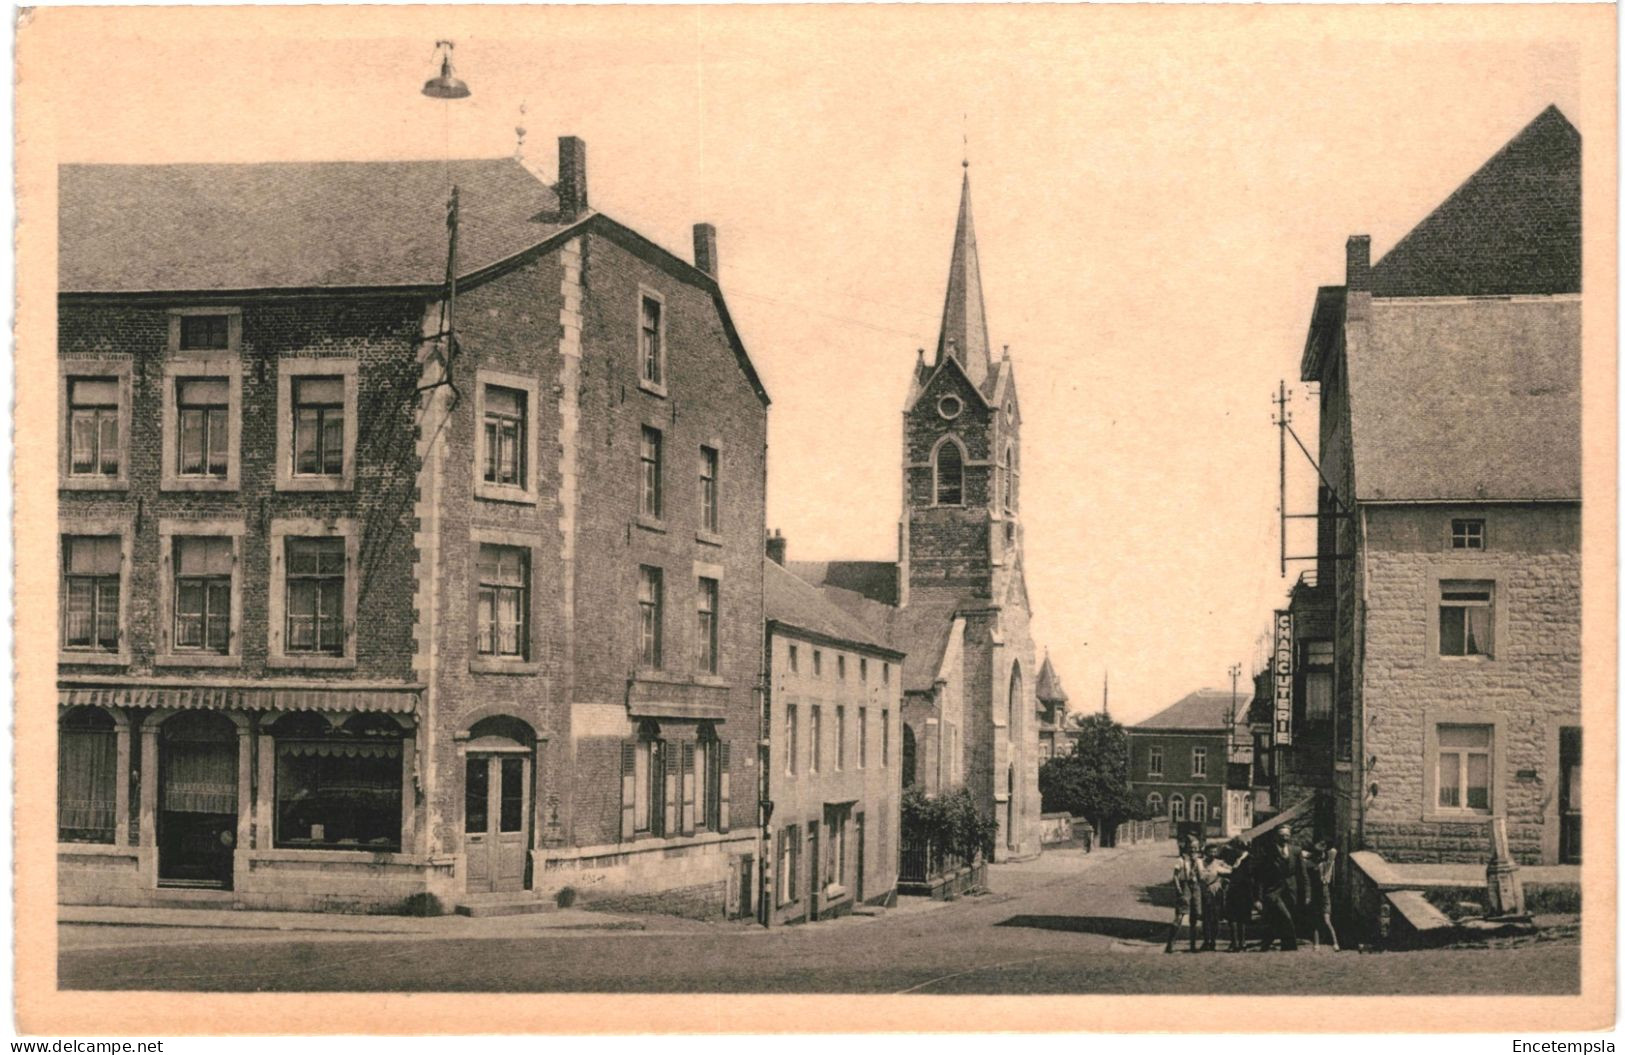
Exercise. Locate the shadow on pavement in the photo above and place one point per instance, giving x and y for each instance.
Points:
(1110, 926)
(1159, 894)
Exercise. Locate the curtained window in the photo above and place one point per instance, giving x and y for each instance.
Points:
(1466, 619)
(91, 566)
(318, 426)
(338, 789)
(93, 433)
(86, 776)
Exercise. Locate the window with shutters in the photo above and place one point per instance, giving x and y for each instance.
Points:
(502, 604)
(202, 416)
(789, 864)
(93, 572)
(709, 465)
(651, 502)
(200, 592)
(649, 793)
(506, 411)
(706, 629)
(651, 616)
(313, 593)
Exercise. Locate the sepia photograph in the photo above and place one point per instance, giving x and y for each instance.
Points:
(969, 501)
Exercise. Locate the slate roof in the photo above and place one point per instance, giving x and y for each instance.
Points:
(798, 604)
(1203, 709)
(1467, 401)
(1049, 683)
(1512, 228)
(964, 317)
(874, 579)
(920, 631)
(138, 228)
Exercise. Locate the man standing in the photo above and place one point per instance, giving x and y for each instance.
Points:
(1211, 873)
(1281, 888)
(1187, 893)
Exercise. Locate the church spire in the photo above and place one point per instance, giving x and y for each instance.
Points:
(964, 320)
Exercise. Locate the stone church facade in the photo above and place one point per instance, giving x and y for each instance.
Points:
(956, 601)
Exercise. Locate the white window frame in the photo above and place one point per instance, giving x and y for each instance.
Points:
(90, 527)
(1440, 604)
(1176, 807)
(282, 530)
(531, 543)
(1467, 537)
(191, 365)
(289, 370)
(1155, 806)
(168, 530)
(1198, 800)
(660, 387)
(121, 371)
(1198, 761)
(1430, 809)
(495, 492)
(1153, 760)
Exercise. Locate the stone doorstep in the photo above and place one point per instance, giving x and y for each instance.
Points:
(519, 904)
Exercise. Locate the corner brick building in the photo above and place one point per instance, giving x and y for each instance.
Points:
(1449, 377)
(971, 714)
(376, 584)
(1178, 759)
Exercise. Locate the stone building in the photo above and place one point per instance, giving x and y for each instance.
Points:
(353, 609)
(1052, 735)
(1449, 387)
(1178, 758)
(959, 588)
(834, 775)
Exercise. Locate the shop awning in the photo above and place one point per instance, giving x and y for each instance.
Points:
(240, 699)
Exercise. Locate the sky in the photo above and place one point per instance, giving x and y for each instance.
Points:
(1157, 194)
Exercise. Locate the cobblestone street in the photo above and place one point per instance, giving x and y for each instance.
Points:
(1066, 922)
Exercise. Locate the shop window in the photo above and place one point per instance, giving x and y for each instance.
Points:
(86, 776)
(338, 788)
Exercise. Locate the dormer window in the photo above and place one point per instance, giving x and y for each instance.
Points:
(950, 474)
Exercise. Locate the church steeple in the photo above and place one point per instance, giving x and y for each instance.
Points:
(964, 320)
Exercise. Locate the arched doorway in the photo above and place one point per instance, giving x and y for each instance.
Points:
(197, 800)
(497, 794)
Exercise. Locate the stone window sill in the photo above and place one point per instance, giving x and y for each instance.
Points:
(98, 659)
(1449, 817)
(648, 523)
(653, 388)
(709, 538)
(311, 662)
(488, 665)
(315, 483)
(176, 659)
(503, 493)
(89, 483)
(172, 483)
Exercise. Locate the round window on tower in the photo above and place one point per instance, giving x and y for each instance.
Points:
(949, 407)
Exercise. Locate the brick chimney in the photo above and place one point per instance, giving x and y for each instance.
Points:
(705, 248)
(572, 186)
(777, 544)
(1358, 279)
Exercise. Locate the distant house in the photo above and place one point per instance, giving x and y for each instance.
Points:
(834, 767)
(1052, 737)
(1449, 537)
(1179, 758)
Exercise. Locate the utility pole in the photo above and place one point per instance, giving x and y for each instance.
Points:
(1282, 418)
(1235, 703)
(1105, 694)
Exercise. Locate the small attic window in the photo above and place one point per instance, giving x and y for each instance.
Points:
(205, 333)
(949, 407)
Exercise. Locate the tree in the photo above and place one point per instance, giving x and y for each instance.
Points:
(1092, 781)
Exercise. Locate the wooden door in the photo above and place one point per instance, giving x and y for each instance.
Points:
(496, 821)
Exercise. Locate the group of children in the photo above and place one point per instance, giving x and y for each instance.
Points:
(1282, 885)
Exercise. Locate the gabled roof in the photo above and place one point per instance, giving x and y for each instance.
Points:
(964, 318)
(1049, 683)
(1513, 227)
(795, 604)
(1204, 709)
(923, 381)
(291, 225)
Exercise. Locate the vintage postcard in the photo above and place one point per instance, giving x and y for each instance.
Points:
(839, 506)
